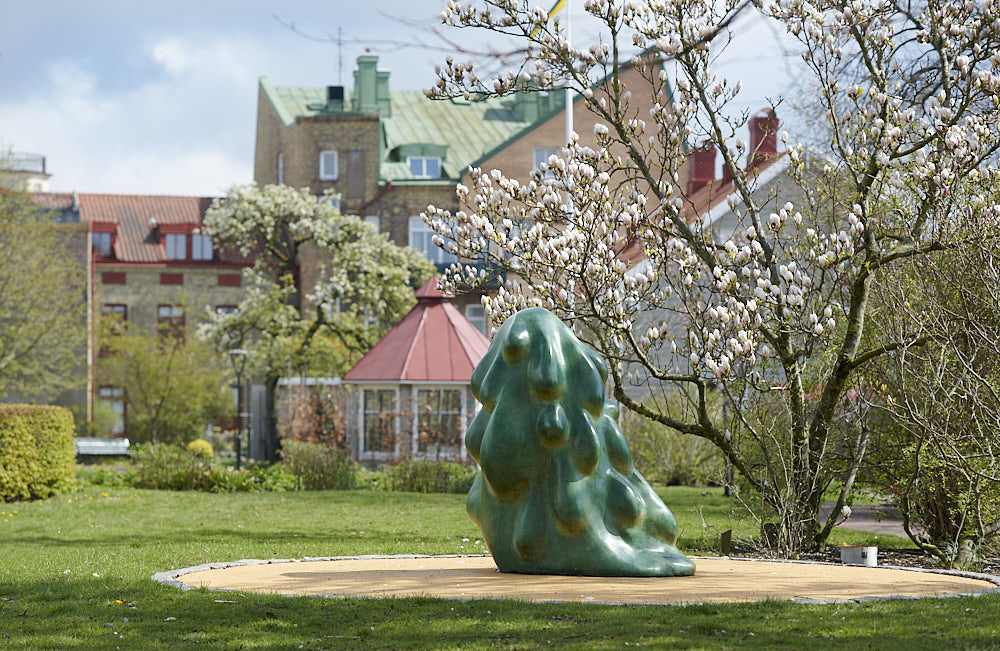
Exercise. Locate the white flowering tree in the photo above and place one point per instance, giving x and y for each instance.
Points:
(773, 316)
(360, 282)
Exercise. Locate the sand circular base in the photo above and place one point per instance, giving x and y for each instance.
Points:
(476, 577)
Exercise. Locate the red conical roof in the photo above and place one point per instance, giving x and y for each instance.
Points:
(434, 342)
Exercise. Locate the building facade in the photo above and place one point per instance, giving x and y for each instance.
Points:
(149, 266)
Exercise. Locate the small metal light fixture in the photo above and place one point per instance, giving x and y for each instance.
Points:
(238, 356)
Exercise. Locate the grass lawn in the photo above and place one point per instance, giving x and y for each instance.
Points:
(76, 570)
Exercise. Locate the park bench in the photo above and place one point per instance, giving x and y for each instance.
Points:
(92, 446)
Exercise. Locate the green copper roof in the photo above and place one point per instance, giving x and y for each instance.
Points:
(467, 129)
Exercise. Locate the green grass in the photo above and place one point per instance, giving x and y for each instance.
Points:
(74, 568)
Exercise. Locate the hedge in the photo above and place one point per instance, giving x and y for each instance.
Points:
(37, 456)
(426, 476)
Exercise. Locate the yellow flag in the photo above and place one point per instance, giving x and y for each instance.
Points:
(556, 8)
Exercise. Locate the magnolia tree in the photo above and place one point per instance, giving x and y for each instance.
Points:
(361, 283)
(772, 317)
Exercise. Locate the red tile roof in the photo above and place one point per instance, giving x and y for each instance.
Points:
(137, 239)
(63, 205)
(137, 219)
(53, 200)
(432, 343)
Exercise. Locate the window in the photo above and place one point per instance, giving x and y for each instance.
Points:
(281, 168)
(328, 166)
(101, 242)
(225, 309)
(116, 310)
(439, 416)
(331, 200)
(113, 318)
(355, 178)
(425, 167)
(374, 221)
(201, 247)
(542, 157)
(476, 315)
(176, 244)
(114, 398)
(170, 320)
(422, 239)
(371, 319)
(379, 416)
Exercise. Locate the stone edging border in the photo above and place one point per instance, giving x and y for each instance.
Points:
(169, 577)
(989, 578)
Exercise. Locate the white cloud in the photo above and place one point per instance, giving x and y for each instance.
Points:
(206, 58)
(170, 53)
(187, 132)
(154, 101)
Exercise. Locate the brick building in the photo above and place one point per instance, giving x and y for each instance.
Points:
(148, 264)
(391, 153)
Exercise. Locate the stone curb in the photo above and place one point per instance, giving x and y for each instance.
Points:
(170, 578)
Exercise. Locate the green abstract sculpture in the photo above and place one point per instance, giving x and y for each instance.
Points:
(557, 492)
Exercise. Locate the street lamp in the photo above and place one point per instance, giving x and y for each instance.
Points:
(238, 357)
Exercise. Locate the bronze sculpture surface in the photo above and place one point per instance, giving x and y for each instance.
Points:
(557, 492)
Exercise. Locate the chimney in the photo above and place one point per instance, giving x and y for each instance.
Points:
(526, 104)
(763, 139)
(702, 168)
(382, 93)
(364, 98)
(335, 98)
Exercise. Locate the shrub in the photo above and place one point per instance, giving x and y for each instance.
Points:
(431, 477)
(166, 467)
(37, 458)
(947, 493)
(200, 447)
(669, 457)
(223, 479)
(318, 467)
(273, 477)
(107, 477)
(368, 479)
(461, 478)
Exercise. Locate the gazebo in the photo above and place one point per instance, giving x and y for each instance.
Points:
(410, 392)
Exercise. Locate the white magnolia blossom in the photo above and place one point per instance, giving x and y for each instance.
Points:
(777, 306)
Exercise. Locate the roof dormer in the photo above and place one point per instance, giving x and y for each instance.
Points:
(184, 243)
(103, 237)
(424, 160)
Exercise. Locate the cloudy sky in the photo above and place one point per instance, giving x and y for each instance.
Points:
(160, 97)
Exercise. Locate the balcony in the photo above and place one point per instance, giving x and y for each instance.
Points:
(22, 162)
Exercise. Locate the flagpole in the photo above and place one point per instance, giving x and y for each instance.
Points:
(569, 90)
